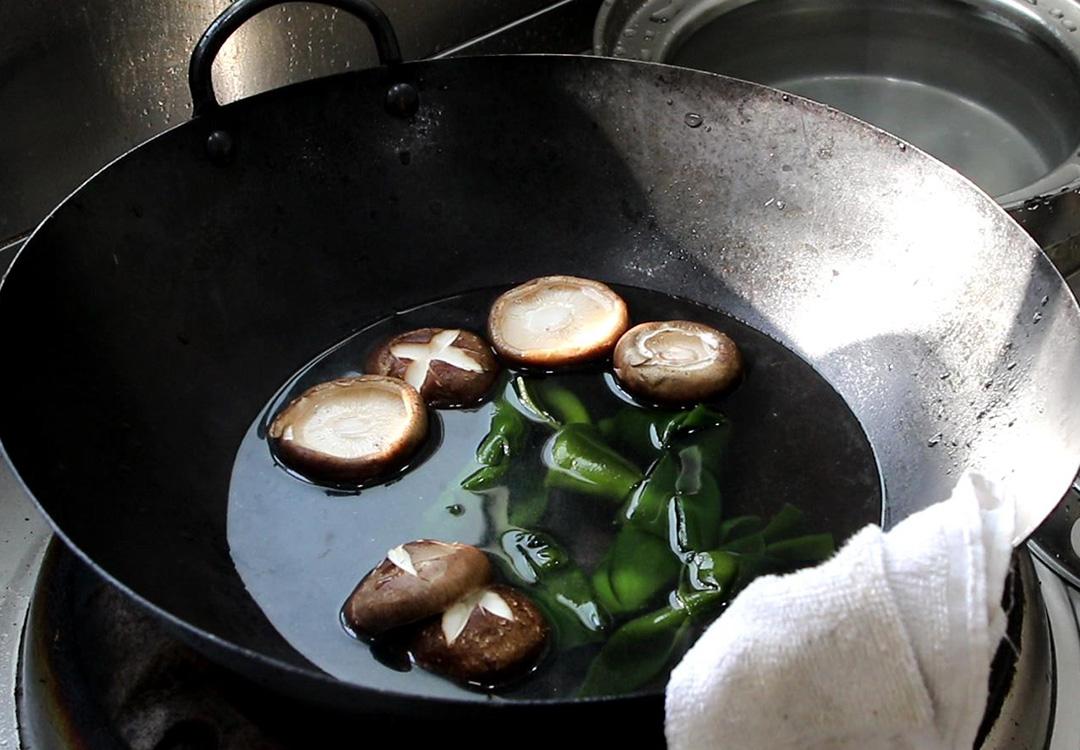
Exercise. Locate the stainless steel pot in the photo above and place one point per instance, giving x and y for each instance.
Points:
(991, 87)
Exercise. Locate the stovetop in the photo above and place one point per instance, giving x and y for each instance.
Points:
(171, 698)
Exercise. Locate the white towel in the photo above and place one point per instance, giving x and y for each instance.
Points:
(886, 645)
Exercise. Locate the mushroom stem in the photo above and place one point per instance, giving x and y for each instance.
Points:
(676, 361)
(350, 429)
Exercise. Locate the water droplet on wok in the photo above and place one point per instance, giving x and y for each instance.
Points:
(903, 146)
(934, 440)
(1044, 300)
(1036, 318)
(1010, 366)
(456, 509)
(780, 205)
(785, 97)
(693, 120)
(1056, 12)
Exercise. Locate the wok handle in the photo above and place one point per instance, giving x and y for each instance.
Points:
(203, 99)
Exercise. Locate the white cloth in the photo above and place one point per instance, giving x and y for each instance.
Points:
(885, 646)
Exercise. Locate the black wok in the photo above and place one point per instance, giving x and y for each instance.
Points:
(148, 319)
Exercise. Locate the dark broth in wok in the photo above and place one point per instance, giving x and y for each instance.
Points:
(301, 547)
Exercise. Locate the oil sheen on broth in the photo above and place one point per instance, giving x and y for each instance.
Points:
(301, 548)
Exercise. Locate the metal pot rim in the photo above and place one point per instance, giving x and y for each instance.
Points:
(1055, 25)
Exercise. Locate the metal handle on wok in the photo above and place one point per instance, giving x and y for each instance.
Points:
(402, 99)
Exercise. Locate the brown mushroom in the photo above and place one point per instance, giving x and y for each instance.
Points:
(676, 361)
(351, 429)
(416, 580)
(488, 636)
(557, 320)
(449, 367)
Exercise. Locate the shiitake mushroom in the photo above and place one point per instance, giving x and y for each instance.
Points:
(555, 321)
(351, 429)
(449, 367)
(416, 580)
(475, 631)
(490, 635)
(676, 361)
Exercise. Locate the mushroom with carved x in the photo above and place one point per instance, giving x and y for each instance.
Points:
(350, 429)
(448, 366)
(416, 580)
(486, 637)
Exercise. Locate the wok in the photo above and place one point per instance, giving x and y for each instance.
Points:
(150, 316)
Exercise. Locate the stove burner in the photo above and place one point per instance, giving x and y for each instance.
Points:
(97, 671)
